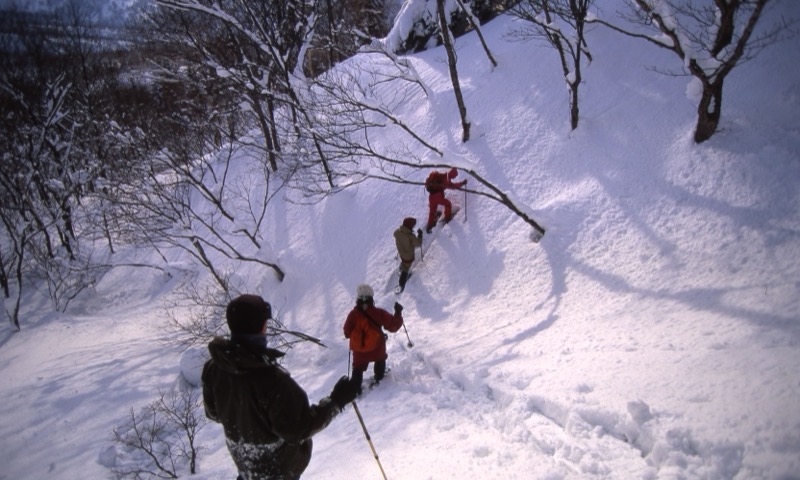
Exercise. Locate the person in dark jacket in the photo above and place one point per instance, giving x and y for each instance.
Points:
(436, 184)
(406, 244)
(366, 313)
(266, 416)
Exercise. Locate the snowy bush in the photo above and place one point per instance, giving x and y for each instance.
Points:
(159, 440)
(192, 362)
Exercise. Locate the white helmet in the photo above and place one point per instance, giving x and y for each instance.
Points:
(364, 291)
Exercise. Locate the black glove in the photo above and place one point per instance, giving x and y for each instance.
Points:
(344, 392)
(398, 309)
(419, 233)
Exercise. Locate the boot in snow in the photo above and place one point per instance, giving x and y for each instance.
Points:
(403, 280)
(357, 377)
(429, 228)
(379, 370)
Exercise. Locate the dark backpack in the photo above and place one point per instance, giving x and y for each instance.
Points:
(366, 335)
(435, 182)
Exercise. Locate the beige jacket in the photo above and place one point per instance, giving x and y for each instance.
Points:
(406, 242)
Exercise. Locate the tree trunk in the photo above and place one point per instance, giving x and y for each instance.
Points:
(447, 40)
(14, 314)
(265, 130)
(708, 111)
(476, 25)
(573, 110)
(107, 232)
(4, 278)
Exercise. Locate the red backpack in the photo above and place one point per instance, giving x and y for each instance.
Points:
(366, 335)
(435, 182)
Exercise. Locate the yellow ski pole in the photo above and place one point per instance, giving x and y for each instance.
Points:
(366, 434)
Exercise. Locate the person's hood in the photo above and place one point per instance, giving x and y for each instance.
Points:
(239, 358)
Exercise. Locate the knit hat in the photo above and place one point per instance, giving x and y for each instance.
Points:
(247, 314)
(453, 173)
(364, 291)
(409, 222)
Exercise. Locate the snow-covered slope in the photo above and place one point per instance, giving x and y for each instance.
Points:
(652, 333)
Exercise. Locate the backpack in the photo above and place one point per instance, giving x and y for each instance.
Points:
(435, 182)
(366, 335)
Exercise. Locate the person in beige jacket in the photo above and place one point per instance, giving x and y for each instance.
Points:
(407, 243)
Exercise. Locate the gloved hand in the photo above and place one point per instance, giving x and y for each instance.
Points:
(419, 233)
(344, 392)
(398, 309)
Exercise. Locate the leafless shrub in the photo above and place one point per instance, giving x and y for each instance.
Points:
(160, 440)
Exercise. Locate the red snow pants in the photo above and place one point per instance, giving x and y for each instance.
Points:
(434, 200)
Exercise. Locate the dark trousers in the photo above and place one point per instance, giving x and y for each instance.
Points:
(378, 368)
(240, 477)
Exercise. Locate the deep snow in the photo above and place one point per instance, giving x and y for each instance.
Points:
(652, 333)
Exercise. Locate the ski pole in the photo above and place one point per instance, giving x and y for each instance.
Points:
(410, 343)
(465, 204)
(366, 434)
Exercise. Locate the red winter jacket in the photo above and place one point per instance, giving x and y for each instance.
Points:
(446, 182)
(390, 322)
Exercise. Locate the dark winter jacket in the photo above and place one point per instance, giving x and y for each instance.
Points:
(266, 416)
(383, 318)
(406, 242)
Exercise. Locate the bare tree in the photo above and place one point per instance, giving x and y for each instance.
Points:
(332, 117)
(452, 61)
(417, 25)
(267, 38)
(195, 203)
(16, 236)
(353, 106)
(160, 440)
(562, 24)
(59, 141)
(710, 37)
(476, 25)
(184, 411)
(196, 314)
(341, 28)
(40, 185)
(352, 95)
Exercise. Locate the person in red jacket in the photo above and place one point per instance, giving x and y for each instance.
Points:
(436, 184)
(366, 315)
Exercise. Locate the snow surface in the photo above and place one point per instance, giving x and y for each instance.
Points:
(652, 333)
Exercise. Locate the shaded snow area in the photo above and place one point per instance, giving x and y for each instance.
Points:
(653, 332)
